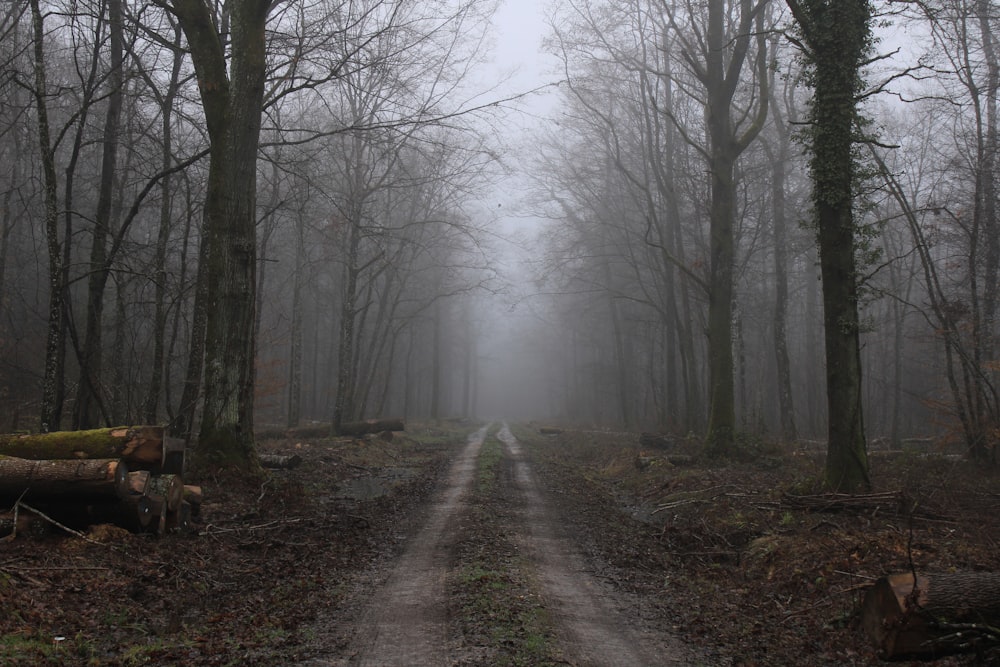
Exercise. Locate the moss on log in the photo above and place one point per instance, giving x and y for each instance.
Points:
(140, 446)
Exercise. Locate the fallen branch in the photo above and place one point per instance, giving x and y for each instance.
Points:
(211, 529)
(56, 523)
(864, 503)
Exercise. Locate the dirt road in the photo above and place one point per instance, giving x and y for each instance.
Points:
(410, 620)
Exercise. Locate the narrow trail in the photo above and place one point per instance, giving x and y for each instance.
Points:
(592, 628)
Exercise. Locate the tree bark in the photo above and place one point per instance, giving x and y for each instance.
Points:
(142, 447)
(52, 380)
(232, 103)
(89, 407)
(152, 399)
(168, 488)
(90, 479)
(838, 34)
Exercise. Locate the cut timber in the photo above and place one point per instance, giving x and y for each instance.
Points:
(27, 523)
(137, 482)
(142, 447)
(655, 441)
(549, 430)
(132, 513)
(89, 479)
(947, 614)
(280, 461)
(371, 426)
(168, 488)
(192, 494)
(193, 497)
(179, 520)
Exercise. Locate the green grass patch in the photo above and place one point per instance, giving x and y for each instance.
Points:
(488, 466)
(493, 588)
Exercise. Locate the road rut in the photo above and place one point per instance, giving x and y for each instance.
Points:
(406, 621)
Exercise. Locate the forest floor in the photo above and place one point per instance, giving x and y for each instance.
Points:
(466, 546)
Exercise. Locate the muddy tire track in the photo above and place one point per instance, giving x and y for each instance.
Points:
(592, 625)
(406, 622)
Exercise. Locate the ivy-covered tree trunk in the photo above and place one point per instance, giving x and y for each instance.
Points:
(232, 102)
(838, 36)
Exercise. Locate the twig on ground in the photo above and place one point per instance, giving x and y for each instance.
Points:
(56, 523)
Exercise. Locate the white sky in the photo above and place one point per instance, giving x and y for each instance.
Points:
(520, 27)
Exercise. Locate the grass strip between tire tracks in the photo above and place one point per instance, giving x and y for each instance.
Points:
(496, 608)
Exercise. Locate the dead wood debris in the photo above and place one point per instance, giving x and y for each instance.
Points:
(895, 502)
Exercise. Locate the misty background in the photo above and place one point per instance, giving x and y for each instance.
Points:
(497, 209)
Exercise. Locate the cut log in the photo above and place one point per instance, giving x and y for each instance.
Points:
(167, 488)
(549, 430)
(89, 479)
(950, 612)
(28, 523)
(132, 513)
(137, 482)
(679, 459)
(280, 461)
(655, 441)
(192, 494)
(142, 447)
(179, 520)
(173, 458)
(371, 426)
(193, 497)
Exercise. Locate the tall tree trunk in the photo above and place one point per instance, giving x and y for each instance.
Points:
(437, 385)
(51, 405)
(89, 407)
(838, 34)
(232, 105)
(779, 163)
(295, 351)
(343, 409)
(119, 410)
(986, 243)
(182, 419)
(724, 56)
(154, 389)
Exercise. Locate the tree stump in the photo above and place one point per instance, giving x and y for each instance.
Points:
(946, 613)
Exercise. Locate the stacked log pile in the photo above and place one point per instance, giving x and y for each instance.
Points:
(129, 476)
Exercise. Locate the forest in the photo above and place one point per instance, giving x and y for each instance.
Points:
(755, 220)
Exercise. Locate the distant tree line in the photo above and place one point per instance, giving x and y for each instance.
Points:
(738, 185)
(211, 210)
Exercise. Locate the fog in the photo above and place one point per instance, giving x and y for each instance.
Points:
(474, 209)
